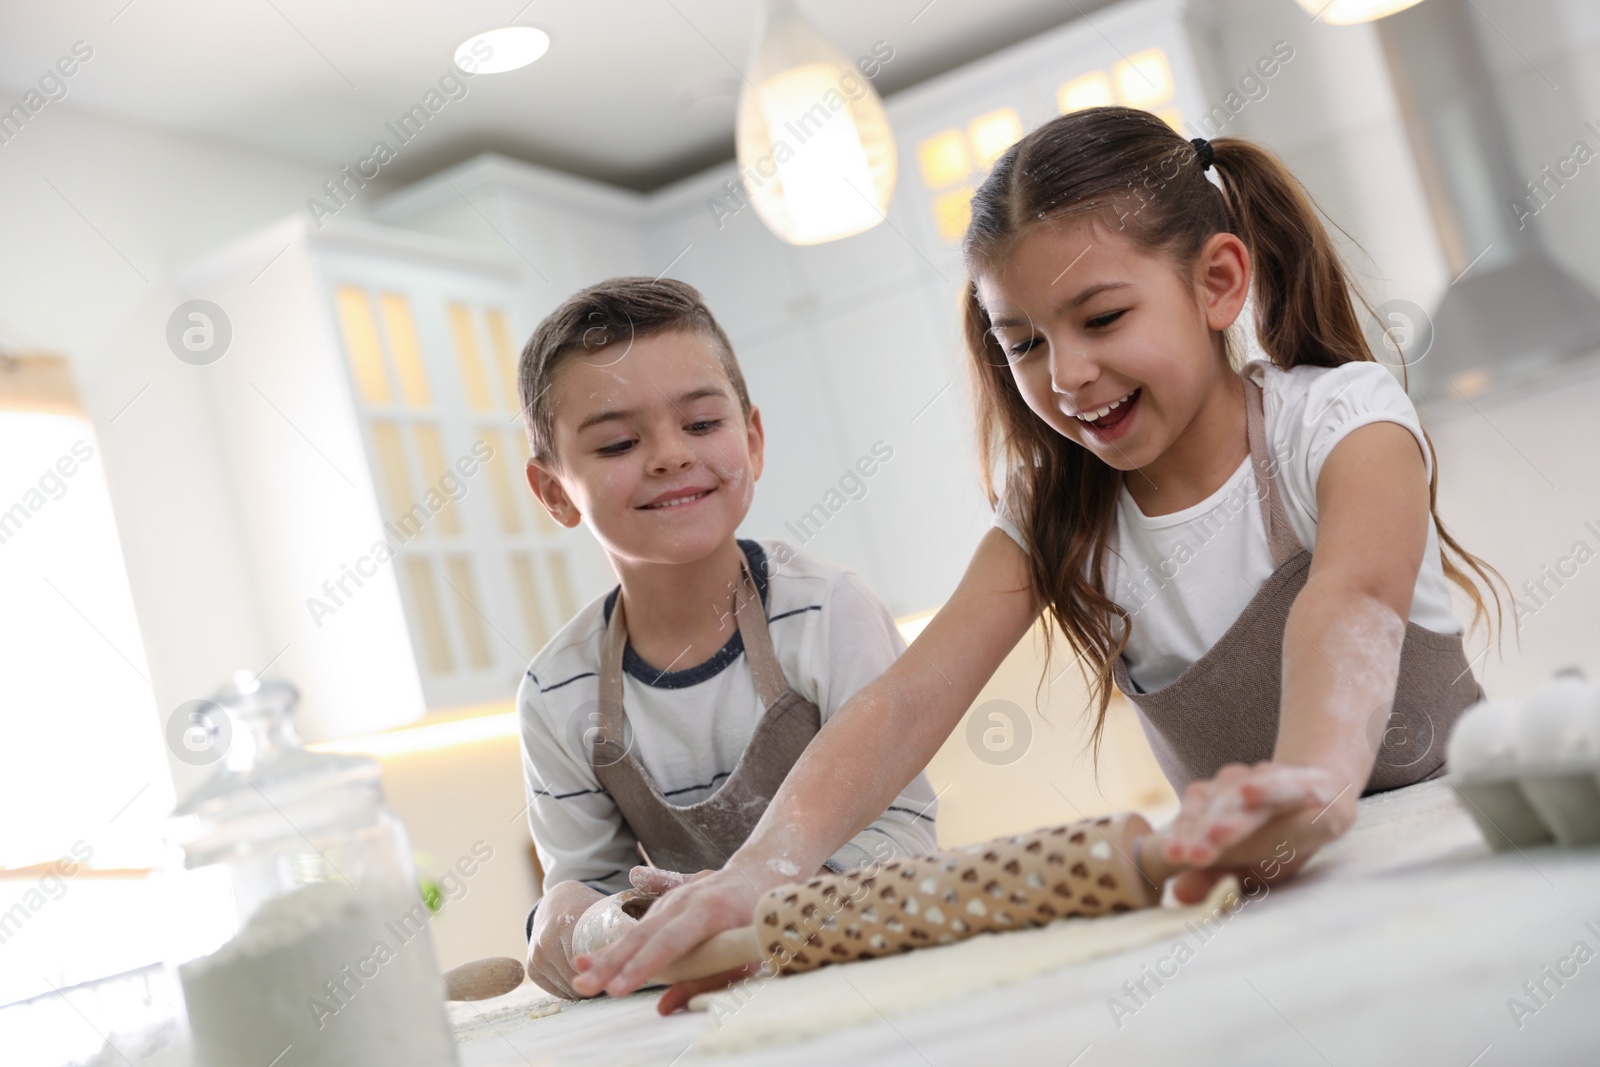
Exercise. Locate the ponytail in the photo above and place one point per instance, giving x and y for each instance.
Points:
(1303, 308)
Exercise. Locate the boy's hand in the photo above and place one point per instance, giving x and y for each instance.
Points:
(550, 948)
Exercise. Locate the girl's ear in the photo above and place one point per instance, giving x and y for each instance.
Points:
(552, 494)
(1224, 277)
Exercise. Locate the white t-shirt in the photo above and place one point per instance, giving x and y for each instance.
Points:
(832, 636)
(1185, 577)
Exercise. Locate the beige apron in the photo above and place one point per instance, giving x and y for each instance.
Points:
(703, 835)
(1224, 707)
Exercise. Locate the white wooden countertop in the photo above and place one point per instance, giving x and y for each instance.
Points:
(1402, 943)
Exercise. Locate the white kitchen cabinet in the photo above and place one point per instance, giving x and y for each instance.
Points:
(368, 406)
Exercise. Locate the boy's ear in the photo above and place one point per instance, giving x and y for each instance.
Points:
(553, 495)
(1225, 278)
(755, 440)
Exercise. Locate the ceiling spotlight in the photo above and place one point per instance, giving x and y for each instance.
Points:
(497, 51)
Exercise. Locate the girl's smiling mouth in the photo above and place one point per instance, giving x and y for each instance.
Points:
(677, 498)
(1110, 420)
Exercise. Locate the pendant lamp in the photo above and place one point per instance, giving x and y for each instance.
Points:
(816, 155)
(1350, 12)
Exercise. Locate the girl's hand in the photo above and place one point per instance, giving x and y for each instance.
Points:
(698, 908)
(656, 881)
(1219, 812)
(1220, 823)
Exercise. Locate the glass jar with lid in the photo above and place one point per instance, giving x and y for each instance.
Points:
(305, 937)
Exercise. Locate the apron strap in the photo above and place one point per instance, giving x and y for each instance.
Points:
(1280, 535)
(611, 716)
(765, 669)
(751, 618)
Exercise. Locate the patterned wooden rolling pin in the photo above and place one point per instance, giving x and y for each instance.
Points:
(1087, 868)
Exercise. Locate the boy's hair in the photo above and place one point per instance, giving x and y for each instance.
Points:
(1129, 172)
(617, 311)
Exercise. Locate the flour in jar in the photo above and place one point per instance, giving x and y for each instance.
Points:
(325, 975)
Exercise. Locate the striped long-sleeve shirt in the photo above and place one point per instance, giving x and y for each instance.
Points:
(832, 636)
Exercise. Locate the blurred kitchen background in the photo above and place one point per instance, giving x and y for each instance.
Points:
(239, 346)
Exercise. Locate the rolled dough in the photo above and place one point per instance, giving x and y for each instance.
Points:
(761, 1012)
(604, 921)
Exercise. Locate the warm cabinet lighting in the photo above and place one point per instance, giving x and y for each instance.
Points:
(944, 159)
(1090, 90)
(470, 727)
(993, 133)
(957, 156)
(1144, 80)
(952, 212)
(815, 149)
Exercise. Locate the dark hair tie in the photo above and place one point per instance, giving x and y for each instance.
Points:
(1203, 152)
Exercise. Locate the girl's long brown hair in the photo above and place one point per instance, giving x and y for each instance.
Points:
(1130, 172)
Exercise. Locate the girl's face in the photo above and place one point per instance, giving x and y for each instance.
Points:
(1108, 344)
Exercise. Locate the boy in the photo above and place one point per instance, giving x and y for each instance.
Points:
(661, 720)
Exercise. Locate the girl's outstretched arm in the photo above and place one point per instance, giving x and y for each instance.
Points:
(1341, 662)
(876, 743)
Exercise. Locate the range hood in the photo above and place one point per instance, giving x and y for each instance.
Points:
(1512, 311)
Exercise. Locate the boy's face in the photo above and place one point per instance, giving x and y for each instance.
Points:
(648, 441)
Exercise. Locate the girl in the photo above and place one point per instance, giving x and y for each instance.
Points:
(1251, 557)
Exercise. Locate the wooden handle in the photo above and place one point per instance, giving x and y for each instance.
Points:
(482, 979)
(1150, 855)
(724, 952)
